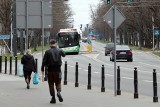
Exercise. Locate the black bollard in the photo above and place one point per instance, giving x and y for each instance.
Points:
(135, 83)
(65, 73)
(103, 80)
(10, 65)
(155, 98)
(118, 81)
(0, 64)
(5, 64)
(89, 77)
(15, 65)
(76, 75)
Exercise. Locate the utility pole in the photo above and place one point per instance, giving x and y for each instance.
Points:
(14, 29)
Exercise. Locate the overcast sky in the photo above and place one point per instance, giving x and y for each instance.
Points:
(81, 9)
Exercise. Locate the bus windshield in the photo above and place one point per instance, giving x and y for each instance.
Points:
(68, 39)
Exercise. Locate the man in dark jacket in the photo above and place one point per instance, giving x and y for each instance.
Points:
(28, 66)
(52, 60)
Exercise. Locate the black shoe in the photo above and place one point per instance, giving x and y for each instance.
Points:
(59, 97)
(53, 100)
(28, 87)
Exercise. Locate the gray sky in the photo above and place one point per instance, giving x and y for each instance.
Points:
(81, 9)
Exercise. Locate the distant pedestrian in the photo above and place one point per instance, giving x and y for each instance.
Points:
(52, 60)
(28, 66)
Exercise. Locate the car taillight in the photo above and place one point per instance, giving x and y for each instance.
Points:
(129, 52)
(117, 52)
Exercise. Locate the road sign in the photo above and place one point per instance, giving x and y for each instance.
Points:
(5, 36)
(156, 32)
(108, 17)
(31, 12)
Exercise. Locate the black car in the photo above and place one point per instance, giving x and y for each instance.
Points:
(123, 52)
(108, 48)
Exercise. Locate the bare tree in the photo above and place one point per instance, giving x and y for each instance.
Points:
(138, 24)
(5, 15)
(62, 15)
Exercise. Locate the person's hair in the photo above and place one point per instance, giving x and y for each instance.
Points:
(28, 52)
(52, 42)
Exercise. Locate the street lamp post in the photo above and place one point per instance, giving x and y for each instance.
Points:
(153, 31)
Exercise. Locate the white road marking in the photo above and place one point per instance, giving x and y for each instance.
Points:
(127, 78)
(109, 75)
(150, 81)
(70, 66)
(149, 65)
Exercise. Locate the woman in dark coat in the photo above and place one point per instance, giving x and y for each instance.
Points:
(28, 66)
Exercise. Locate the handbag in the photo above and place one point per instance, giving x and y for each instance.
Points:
(35, 78)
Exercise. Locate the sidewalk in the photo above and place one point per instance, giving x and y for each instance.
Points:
(13, 93)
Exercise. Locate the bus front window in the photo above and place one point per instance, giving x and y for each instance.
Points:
(68, 40)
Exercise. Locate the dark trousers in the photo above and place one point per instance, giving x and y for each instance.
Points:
(54, 79)
(27, 75)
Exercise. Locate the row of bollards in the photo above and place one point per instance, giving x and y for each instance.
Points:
(155, 97)
(10, 62)
(136, 95)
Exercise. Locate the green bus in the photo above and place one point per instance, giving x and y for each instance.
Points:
(69, 40)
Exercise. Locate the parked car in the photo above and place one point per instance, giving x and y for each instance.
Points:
(123, 52)
(108, 48)
(84, 39)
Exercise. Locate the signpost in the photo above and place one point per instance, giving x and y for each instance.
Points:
(114, 17)
(34, 14)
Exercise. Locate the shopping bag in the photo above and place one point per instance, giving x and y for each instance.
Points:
(20, 70)
(35, 78)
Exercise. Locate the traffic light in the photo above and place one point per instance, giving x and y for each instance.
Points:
(129, 1)
(87, 26)
(108, 1)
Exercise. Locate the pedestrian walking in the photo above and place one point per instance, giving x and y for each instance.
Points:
(28, 66)
(52, 60)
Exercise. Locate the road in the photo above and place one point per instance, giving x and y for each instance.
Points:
(144, 61)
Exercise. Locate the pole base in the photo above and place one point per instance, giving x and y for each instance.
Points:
(155, 99)
(118, 92)
(102, 89)
(76, 84)
(136, 95)
(65, 82)
(89, 87)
